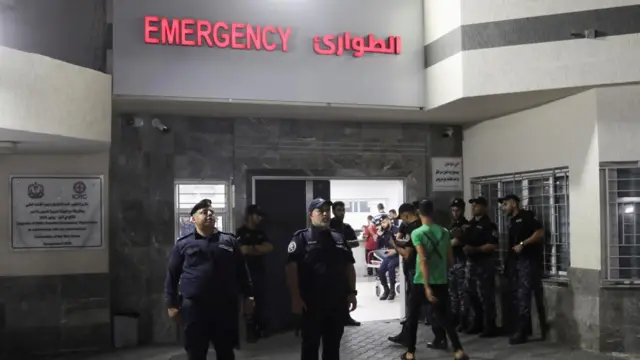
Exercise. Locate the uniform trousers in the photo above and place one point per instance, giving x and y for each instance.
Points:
(481, 287)
(321, 324)
(525, 280)
(204, 323)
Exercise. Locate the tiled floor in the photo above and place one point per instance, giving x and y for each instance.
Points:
(369, 342)
(370, 308)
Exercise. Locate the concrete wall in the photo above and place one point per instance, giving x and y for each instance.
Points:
(46, 96)
(559, 134)
(618, 125)
(73, 31)
(52, 299)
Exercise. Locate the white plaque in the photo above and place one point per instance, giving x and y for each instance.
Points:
(50, 212)
(447, 174)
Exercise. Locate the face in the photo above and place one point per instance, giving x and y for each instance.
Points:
(477, 209)
(393, 214)
(456, 212)
(204, 218)
(509, 206)
(255, 219)
(339, 212)
(386, 223)
(405, 217)
(322, 216)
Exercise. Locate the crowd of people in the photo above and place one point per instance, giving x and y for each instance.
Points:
(450, 271)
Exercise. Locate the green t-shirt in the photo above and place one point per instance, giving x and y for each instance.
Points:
(436, 241)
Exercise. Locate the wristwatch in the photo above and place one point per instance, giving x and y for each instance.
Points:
(522, 243)
(354, 292)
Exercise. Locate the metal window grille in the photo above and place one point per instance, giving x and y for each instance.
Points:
(621, 189)
(363, 205)
(546, 193)
(187, 194)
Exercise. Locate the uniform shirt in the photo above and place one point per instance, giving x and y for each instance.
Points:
(481, 232)
(405, 242)
(436, 242)
(322, 257)
(521, 227)
(252, 237)
(457, 227)
(344, 229)
(384, 241)
(207, 267)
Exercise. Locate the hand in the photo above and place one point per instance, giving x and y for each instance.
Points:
(353, 302)
(298, 306)
(518, 248)
(398, 236)
(249, 305)
(455, 242)
(173, 313)
(456, 233)
(390, 252)
(245, 249)
(468, 249)
(429, 293)
(380, 232)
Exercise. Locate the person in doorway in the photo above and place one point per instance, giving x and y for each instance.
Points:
(391, 259)
(337, 224)
(524, 268)
(206, 274)
(435, 258)
(369, 234)
(321, 278)
(404, 246)
(380, 208)
(481, 240)
(394, 218)
(255, 245)
(457, 276)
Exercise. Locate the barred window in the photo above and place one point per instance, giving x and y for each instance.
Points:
(546, 193)
(621, 187)
(187, 194)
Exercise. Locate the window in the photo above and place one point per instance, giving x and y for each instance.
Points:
(622, 223)
(547, 195)
(362, 206)
(190, 193)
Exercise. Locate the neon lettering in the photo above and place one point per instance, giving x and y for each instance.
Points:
(358, 46)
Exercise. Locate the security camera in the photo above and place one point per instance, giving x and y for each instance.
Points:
(447, 132)
(134, 121)
(156, 123)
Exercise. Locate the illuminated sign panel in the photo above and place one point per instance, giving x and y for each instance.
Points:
(241, 36)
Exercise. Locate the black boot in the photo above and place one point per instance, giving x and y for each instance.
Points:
(463, 324)
(438, 344)
(352, 322)
(474, 328)
(399, 339)
(520, 337)
(392, 292)
(489, 329)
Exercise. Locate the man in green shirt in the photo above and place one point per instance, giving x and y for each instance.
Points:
(433, 261)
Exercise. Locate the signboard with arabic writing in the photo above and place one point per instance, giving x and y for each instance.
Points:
(56, 212)
(447, 174)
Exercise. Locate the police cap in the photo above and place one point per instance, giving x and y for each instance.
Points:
(317, 204)
(458, 203)
(254, 210)
(479, 201)
(202, 204)
(509, 197)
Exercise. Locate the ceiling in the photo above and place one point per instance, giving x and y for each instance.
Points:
(460, 112)
(36, 143)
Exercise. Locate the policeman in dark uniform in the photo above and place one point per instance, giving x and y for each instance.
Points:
(206, 274)
(481, 240)
(457, 276)
(524, 267)
(337, 224)
(321, 278)
(255, 245)
(404, 246)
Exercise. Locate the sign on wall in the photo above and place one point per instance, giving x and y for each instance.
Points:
(56, 212)
(282, 51)
(446, 174)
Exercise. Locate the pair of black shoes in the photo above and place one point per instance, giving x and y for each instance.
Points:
(521, 337)
(352, 322)
(388, 294)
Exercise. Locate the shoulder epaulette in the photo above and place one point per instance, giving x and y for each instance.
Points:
(184, 237)
(299, 232)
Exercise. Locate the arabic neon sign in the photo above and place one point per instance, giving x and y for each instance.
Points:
(241, 36)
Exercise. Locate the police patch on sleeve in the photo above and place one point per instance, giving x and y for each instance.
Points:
(292, 247)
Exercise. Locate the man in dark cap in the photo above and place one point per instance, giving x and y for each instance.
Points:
(481, 241)
(206, 274)
(255, 245)
(321, 279)
(457, 276)
(338, 224)
(524, 268)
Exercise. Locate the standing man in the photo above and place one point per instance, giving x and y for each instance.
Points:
(404, 246)
(337, 224)
(457, 276)
(387, 271)
(394, 217)
(481, 240)
(369, 235)
(380, 207)
(255, 245)
(206, 274)
(321, 278)
(524, 267)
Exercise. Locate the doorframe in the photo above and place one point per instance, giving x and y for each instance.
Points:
(311, 178)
